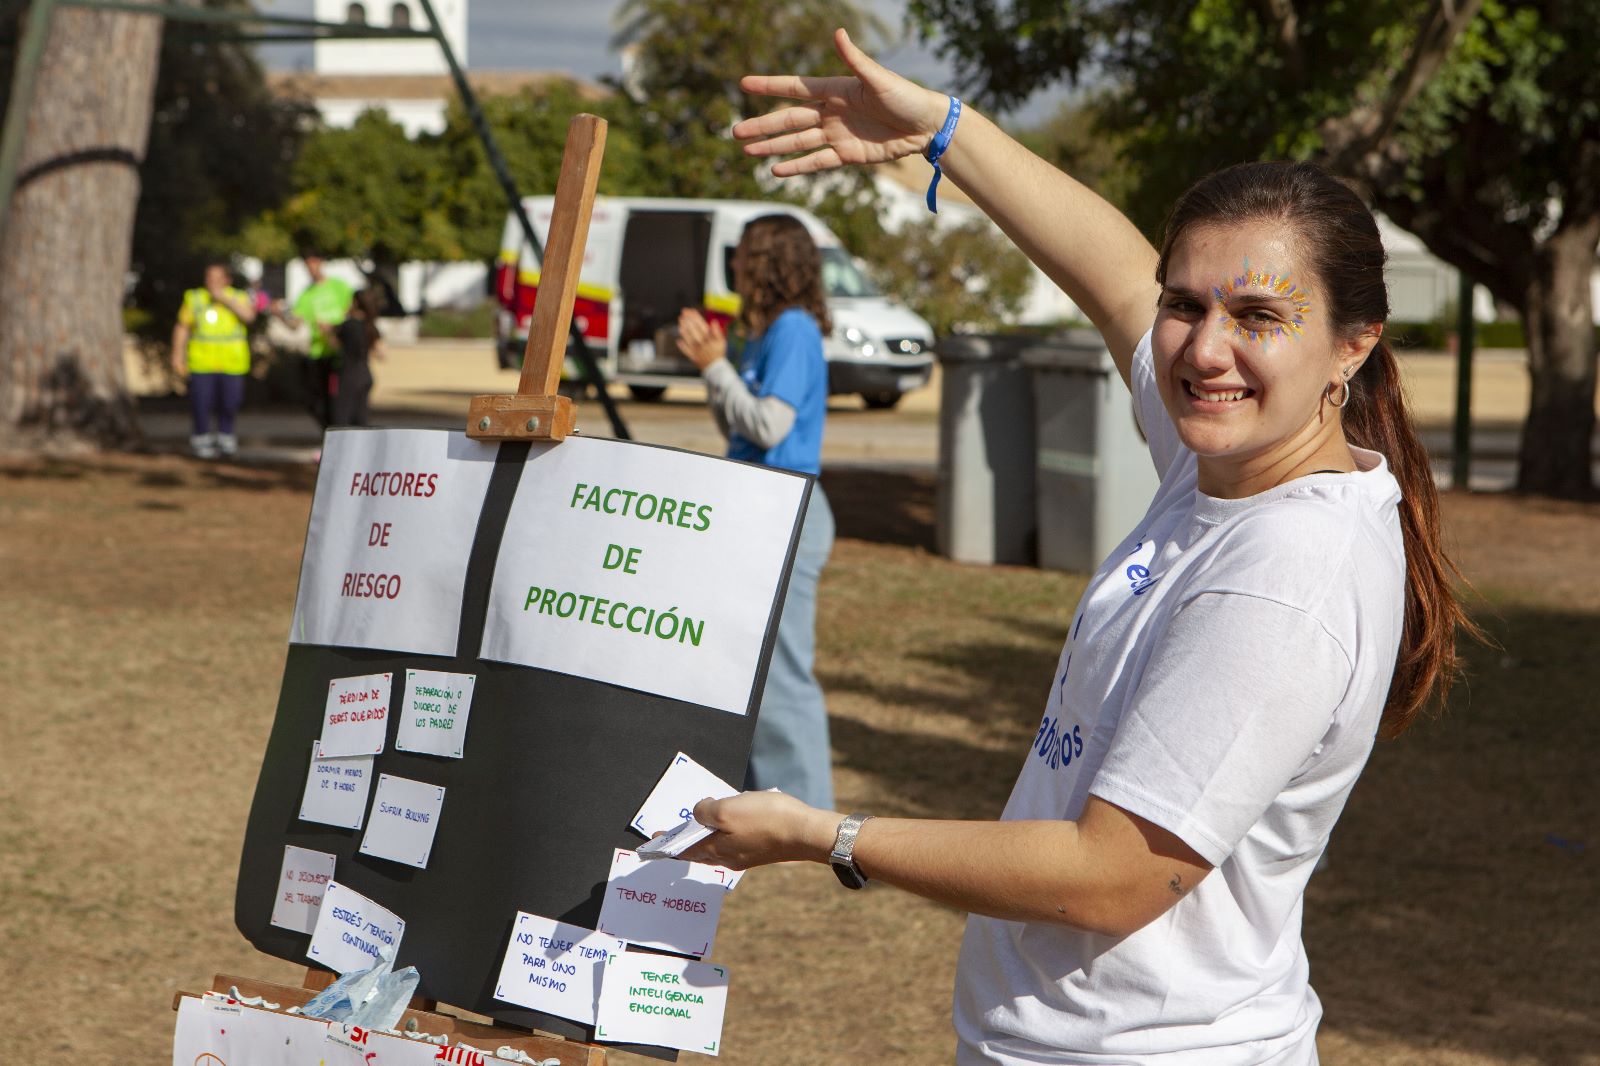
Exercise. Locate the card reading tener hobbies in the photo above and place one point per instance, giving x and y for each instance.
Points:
(336, 790)
(669, 903)
(405, 815)
(433, 714)
(555, 967)
(356, 716)
(351, 928)
(300, 887)
(651, 999)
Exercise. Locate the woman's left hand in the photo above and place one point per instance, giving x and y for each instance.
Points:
(757, 828)
(703, 342)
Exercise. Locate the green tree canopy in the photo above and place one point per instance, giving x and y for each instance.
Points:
(530, 128)
(368, 192)
(1473, 123)
(965, 277)
(220, 149)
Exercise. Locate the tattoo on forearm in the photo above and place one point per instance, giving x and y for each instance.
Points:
(1176, 885)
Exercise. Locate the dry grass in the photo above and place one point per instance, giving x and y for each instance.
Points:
(145, 603)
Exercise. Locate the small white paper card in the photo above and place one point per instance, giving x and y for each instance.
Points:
(391, 529)
(433, 716)
(356, 716)
(405, 814)
(653, 999)
(305, 873)
(669, 903)
(336, 790)
(555, 967)
(350, 928)
(675, 841)
(684, 784)
(655, 570)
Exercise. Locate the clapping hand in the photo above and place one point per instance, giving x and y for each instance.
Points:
(703, 342)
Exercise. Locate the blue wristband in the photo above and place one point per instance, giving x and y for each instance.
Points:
(937, 148)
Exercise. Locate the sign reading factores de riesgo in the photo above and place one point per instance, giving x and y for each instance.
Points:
(647, 568)
(391, 531)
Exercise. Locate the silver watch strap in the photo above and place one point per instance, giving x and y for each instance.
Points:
(844, 841)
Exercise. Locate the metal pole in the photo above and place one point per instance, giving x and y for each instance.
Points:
(1461, 439)
(497, 163)
(23, 80)
(187, 13)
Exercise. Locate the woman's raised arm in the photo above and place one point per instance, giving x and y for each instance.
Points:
(1084, 244)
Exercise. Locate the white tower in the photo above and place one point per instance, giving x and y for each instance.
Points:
(388, 56)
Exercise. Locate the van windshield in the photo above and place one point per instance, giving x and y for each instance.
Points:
(840, 276)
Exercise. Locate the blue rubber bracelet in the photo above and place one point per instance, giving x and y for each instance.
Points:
(937, 148)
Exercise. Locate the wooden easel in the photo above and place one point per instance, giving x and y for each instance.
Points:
(535, 413)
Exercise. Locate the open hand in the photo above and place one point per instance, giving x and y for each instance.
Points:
(873, 117)
(757, 828)
(703, 342)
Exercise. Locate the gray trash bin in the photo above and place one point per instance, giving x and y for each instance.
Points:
(985, 511)
(1095, 479)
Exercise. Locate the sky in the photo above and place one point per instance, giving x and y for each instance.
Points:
(561, 35)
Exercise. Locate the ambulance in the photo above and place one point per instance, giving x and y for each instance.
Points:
(647, 259)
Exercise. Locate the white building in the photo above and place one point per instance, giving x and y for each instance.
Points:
(410, 81)
(389, 57)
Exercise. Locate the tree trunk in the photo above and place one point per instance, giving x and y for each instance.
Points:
(1558, 317)
(64, 257)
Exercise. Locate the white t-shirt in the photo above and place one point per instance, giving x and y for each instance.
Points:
(1223, 678)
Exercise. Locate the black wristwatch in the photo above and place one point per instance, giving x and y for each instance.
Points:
(842, 858)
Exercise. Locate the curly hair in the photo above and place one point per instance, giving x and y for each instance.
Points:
(779, 268)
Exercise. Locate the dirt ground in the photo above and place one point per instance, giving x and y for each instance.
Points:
(144, 608)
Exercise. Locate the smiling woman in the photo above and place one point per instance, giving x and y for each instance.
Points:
(1284, 599)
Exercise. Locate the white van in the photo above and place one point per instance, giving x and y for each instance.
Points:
(647, 259)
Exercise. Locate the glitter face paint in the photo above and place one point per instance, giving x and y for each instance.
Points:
(1280, 285)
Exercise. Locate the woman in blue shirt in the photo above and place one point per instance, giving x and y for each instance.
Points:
(772, 410)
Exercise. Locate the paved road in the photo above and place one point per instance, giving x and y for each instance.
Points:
(428, 385)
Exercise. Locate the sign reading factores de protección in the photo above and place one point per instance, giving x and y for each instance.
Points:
(646, 568)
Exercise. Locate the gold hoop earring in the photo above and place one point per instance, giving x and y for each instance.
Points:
(1328, 394)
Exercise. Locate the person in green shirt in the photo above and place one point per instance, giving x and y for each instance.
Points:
(322, 306)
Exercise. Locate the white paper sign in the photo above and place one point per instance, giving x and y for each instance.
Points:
(675, 841)
(665, 903)
(405, 815)
(217, 1031)
(336, 790)
(392, 524)
(642, 567)
(356, 715)
(652, 999)
(554, 967)
(305, 873)
(433, 716)
(352, 1045)
(684, 784)
(350, 928)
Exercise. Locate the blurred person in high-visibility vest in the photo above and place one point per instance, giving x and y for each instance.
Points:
(323, 305)
(210, 342)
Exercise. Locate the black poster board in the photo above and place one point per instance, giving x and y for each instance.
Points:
(555, 768)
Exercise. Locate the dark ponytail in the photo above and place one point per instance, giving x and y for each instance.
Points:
(1340, 240)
